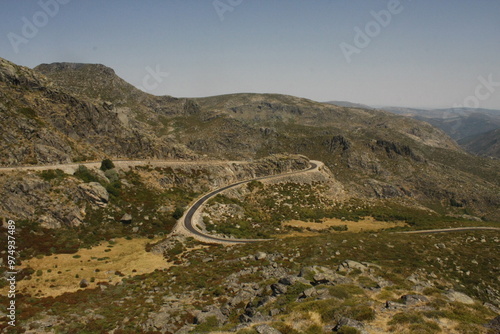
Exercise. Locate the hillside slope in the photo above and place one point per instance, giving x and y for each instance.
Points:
(486, 144)
(43, 123)
(88, 112)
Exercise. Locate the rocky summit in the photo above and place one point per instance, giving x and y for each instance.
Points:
(303, 229)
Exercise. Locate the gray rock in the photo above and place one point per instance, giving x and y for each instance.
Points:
(348, 322)
(84, 283)
(413, 299)
(456, 296)
(349, 265)
(278, 289)
(95, 192)
(394, 306)
(291, 280)
(260, 256)
(311, 292)
(126, 219)
(210, 311)
(494, 324)
(274, 312)
(266, 329)
(492, 307)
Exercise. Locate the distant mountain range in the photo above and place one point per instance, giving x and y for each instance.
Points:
(476, 130)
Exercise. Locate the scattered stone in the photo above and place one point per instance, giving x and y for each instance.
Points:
(348, 322)
(413, 299)
(311, 292)
(319, 275)
(278, 289)
(84, 283)
(349, 265)
(260, 256)
(456, 296)
(393, 306)
(494, 324)
(274, 312)
(291, 280)
(492, 307)
(95, 192)
(208, 312)
(126, 219)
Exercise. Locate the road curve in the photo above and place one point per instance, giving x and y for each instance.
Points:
(187, 220)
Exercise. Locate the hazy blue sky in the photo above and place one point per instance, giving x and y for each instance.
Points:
(428, 53)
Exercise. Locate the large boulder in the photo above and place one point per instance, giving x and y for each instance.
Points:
(321, 275)
(209, 312)
(95, 193)
(456, 296)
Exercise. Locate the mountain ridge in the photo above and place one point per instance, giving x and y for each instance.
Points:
(374, 153)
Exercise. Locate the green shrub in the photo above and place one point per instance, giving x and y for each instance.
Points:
(348, 330)
(209, 325)
(112, 175)
(107, 164)
(254, 185)
(178, 212)
(52, 174)
(114, 188)
(84, 174)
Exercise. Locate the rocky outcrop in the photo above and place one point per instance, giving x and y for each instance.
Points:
(95, 193)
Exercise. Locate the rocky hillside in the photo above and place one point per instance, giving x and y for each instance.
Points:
(42, 123)
(486, 144)
(82, 111)
(324, 270)
(462, 124)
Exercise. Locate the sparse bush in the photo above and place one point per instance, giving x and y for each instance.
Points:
(112, 175)
(348, 330)
(107, 164)
(178, 212)
(84, 174)
(52, 174)
(209, 325)
(254, 185)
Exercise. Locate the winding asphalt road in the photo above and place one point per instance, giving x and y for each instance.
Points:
(187, 220)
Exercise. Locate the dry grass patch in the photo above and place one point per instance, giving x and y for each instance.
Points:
(108, 262)
(366, 224)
